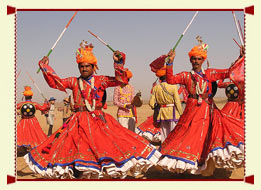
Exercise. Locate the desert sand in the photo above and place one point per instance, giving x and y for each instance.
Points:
(23, 171)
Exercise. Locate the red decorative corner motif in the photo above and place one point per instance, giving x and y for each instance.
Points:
(249, 179)
(249, 10)
(10, 10)
(10, 179)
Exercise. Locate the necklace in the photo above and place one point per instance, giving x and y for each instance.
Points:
(88, 106)
(199, 91)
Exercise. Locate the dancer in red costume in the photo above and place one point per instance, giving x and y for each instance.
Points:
(235, 102)
(225, 148)
(29, 131)
(183, 148)
(91, 143)
(150, 129)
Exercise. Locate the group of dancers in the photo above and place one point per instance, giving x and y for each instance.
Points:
(91, 144)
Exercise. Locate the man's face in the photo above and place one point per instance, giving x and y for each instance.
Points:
(52, 101)
(197, 62)
(86, 69)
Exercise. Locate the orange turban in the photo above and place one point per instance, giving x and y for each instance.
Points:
(161, 72)
(27, 91)
(200, 50)
(129, 73)
(85, 55)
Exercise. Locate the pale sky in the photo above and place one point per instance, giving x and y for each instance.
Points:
(143, 36)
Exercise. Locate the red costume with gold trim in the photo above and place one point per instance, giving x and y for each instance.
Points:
(226, 141)
(29, 131)
(91, 143)
(182, 90)
(184, 146)
(149, 130)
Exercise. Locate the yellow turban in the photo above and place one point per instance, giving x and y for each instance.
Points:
(85, 55)
(200, 50)
(27, 91)
(161, 72)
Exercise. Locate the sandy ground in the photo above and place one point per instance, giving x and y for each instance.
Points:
(23, 171)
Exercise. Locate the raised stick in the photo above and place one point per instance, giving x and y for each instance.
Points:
(36, 86)
(238, 32)
(67, 25)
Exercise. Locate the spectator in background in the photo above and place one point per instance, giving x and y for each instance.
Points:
(67, 109)
(122, 98)
(50, 116)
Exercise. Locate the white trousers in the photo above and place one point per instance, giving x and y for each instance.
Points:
(165, 128)
(50, 119)
(128, 122)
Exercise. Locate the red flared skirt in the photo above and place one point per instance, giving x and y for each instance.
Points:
(95, 145)
(183, 148)
(234, 109)
(149, 130)
(226, 139)
(30, 133)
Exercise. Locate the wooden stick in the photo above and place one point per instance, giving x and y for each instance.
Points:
(241, 31)
(185, 31)
(36, 86)
(18, 73)
(236, 42)
(238, 32)
(103, 42)
(67, 25)
(181, 36)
